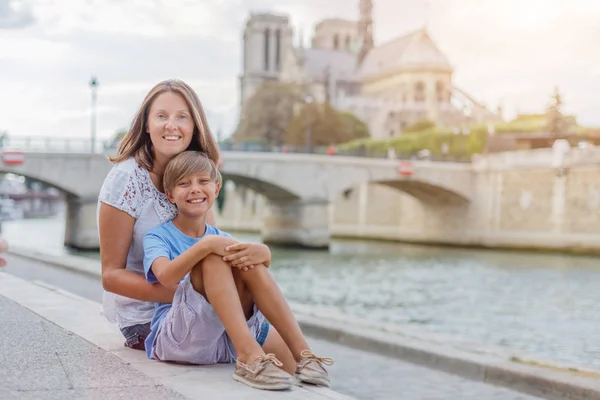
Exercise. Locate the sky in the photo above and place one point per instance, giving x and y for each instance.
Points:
(504, 52)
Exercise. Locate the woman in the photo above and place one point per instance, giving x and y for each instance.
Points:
(132, 201)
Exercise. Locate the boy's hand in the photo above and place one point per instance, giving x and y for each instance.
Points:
(247, 255)
(219, 243)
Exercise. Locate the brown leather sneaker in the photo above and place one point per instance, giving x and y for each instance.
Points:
(311, 369)
(264, 373)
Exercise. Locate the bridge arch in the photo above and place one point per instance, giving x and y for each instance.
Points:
(272, 192)
(67, 191)
(427, 192)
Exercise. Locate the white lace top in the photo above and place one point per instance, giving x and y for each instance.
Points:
(129, 188)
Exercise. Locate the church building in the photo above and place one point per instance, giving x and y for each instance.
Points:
(389, 85)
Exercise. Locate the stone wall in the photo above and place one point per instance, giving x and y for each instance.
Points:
(525, 199)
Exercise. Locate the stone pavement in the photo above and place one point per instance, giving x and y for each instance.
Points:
(40, 360)
(54, 345)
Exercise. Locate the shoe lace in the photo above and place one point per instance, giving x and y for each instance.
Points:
(311, 356)
(269, 358)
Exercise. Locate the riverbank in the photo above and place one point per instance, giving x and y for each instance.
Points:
(489, 364)
(547, 305)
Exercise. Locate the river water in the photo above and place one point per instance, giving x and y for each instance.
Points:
(541, 304)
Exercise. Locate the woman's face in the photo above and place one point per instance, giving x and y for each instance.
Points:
(170, 125)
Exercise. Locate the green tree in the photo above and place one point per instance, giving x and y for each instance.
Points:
(318, 124)
(268, 113)
(356, 128)
(420, 126)
(557, 123)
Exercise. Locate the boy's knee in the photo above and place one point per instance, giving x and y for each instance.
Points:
(257, 271)
(211, 260)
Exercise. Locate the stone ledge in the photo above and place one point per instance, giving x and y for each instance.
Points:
(82, 317)
(494, 365)
(489, 364)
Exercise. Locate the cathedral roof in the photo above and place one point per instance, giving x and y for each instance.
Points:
(337, 21)
(415, 50)
(341, 64)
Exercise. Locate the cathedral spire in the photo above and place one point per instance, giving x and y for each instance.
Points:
(365, 29)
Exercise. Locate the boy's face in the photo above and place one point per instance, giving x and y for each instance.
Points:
(194, 194)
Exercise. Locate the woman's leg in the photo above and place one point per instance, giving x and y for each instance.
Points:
(213, 278)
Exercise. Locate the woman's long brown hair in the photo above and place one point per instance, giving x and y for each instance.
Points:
(136, 142)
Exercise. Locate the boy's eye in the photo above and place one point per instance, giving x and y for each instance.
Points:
(183, 183)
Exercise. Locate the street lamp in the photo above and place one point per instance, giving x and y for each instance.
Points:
(94, 87)
(308, 100)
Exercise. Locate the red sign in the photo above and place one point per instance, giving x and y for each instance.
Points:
(405, 168)
(13, 157)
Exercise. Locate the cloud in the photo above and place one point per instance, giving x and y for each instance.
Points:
(15, 15)
(132, 44)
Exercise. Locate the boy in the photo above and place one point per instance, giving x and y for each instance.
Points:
(214, 316)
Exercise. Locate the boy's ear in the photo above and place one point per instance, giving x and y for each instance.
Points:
(217, 189)
(169, 196)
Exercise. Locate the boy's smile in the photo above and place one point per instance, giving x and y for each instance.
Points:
(194, 194)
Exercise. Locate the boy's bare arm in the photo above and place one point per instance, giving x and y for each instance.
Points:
(170, 272)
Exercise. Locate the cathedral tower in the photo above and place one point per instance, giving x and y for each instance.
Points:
(267, 38)
(365, 29)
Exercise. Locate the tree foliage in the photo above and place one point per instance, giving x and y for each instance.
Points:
(557, 123)
(420, 126)
(357, 128)
(268, 113)
(322, 125)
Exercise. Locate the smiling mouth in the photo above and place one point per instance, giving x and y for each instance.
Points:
(171, 138)
(196, 201)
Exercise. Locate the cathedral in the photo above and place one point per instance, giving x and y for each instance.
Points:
(389, 86)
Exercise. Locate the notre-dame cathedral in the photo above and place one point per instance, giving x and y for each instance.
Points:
(388, 85)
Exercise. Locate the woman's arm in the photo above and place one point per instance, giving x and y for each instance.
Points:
(116, 233)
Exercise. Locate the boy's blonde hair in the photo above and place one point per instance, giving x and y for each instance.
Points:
(188, 163)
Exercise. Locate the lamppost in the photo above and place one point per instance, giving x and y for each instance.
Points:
(93, 86)
(308, 100)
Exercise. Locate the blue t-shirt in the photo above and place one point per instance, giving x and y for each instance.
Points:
(166, 241)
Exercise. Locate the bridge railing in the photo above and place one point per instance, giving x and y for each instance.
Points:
(334, 151)
(47, 144)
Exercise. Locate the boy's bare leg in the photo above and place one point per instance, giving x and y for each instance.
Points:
(274, 343)
(271, 302)
(213, 278)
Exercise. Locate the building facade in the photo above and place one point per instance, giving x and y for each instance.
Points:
(389, 86)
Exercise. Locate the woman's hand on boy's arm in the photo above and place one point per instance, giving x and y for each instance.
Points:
(247, 255)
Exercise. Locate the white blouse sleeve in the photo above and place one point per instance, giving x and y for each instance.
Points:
(121, 190)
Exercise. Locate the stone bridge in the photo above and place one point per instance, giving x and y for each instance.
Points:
(298, 186)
